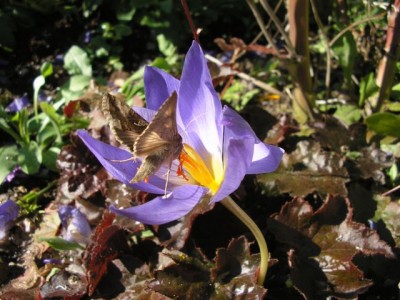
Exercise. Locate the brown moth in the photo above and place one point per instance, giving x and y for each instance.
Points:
(157, 142)
(125, 123)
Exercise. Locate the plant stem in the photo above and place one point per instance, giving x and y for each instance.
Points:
(262, 244)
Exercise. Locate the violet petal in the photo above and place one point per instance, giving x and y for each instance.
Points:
(18, 104)
(238, 151)
(163, 209)
(199, 108)
(9, 211)
(158, 86)
(266, 158)
(75, 223)
(108, 156)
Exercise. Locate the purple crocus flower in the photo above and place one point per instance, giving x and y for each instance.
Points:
(18, 104)
(9, 211)
(75, 223)
(220, 147)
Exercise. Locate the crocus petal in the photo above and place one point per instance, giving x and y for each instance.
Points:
(266, 158)
(145, 113)
(158, 86)
(108, 156)
(199, 108)
(165, 209)
(238, 151)
(9, 211)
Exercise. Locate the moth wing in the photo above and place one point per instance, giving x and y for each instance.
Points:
(162, 130)
(149, 144)
(125, 123)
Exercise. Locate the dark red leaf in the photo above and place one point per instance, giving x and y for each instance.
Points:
(330, 270)
(70, 108)
(108, 241)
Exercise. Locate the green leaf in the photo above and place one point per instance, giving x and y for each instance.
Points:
(74, 87)
(238, 96)
(384, 123)
(393, 106)
(368, 87)
(167, 48)
(22, 125)
(121, 31)
(125, 10)
(47, 135)
(50, 157)
(77, 62)
(89, 6)
(30, 158)
(49, 110)
(396, 87)
(61, 244)
(345, 48)
(77, 83)
(6, 128)
(9, 160)
(46, 69)
(349, 114)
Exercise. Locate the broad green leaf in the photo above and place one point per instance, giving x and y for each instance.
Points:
(9, 160)
(368, 87)
(393, 106)
(30, 158)
(161, 63)
(47, 135)
(349, 114)
(384, 123)
(396, 88)
(74, 87)
(77, 83)
(61, 244)
(77, 62)
(50, 157)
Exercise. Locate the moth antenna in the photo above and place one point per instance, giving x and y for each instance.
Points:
(123, 160)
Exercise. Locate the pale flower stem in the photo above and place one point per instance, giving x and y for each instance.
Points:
(262, 244)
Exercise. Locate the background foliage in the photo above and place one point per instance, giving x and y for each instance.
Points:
(325, 87)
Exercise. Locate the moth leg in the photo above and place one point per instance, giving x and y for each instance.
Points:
(166, 182)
